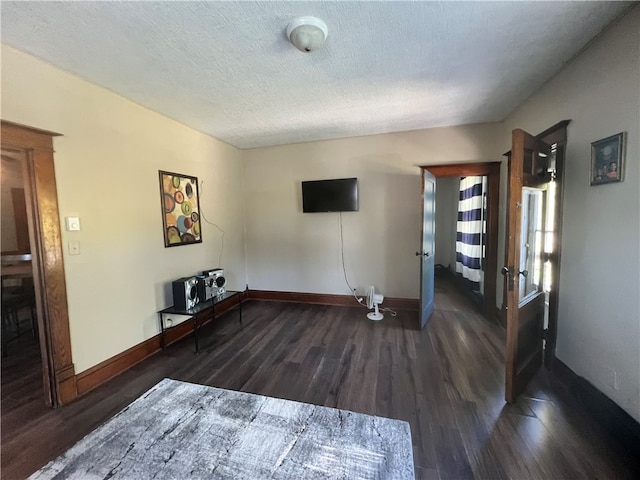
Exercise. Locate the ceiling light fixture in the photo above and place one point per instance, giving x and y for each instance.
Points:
(307, 33)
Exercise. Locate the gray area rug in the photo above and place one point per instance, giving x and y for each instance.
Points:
(180, 430)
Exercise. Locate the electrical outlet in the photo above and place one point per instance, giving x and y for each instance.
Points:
(74, 247)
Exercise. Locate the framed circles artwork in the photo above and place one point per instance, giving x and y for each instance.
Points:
(607, 160)
(180, 209)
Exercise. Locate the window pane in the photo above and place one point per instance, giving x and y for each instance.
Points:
(532, 242)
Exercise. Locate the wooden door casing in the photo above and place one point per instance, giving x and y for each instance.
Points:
(47, 259)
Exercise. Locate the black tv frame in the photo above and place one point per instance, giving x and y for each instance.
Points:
(332, 195)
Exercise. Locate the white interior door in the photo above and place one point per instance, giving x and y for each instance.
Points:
(427, 254)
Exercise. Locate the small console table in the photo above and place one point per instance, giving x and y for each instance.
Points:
(171, 317)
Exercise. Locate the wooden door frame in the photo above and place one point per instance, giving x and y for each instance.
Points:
(492, 171)
(47, 259)
(555, 135)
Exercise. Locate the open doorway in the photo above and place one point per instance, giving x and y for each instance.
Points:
(21, 354)
(32, 149)
(25, 373)
(461, 220)
(450, 176)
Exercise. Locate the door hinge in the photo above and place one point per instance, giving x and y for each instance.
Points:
(545, 334)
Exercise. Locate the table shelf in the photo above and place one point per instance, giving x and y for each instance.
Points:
(168, 320)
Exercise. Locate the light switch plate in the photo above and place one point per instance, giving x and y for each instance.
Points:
(72, 224)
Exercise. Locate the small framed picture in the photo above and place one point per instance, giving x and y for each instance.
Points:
(607, 160)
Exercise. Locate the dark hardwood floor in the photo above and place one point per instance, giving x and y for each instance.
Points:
(447, 381)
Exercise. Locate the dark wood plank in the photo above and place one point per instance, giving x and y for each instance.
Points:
(447, 381)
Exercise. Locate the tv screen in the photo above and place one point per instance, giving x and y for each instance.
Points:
(339, 195)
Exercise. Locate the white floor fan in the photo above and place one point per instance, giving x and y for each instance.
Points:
(373, 300)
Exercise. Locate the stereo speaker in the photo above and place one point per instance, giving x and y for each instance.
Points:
(185, 293)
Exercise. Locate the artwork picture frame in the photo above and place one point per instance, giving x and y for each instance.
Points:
(180, 203)
(607, 160)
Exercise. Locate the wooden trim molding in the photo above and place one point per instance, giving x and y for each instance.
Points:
(48, 265)
(52, 278)
(106, 370)
(24, 137)
(557, 135)
(329, 299)
(619, 424)
(111, 367)
(463, 169)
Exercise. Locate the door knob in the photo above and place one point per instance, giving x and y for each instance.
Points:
(507, 271)
(508, 275)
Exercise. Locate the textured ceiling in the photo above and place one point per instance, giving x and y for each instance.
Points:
(227, 69)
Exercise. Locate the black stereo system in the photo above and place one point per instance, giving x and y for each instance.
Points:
(189, 291)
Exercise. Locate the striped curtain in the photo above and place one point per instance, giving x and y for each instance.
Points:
(470, 238)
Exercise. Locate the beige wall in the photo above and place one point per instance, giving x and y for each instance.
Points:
(291, 251)
(107, 166)
(599, 317)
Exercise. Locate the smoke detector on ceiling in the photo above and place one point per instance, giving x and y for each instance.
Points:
(307, 33)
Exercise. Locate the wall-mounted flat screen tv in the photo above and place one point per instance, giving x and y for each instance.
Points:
(338, 195)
